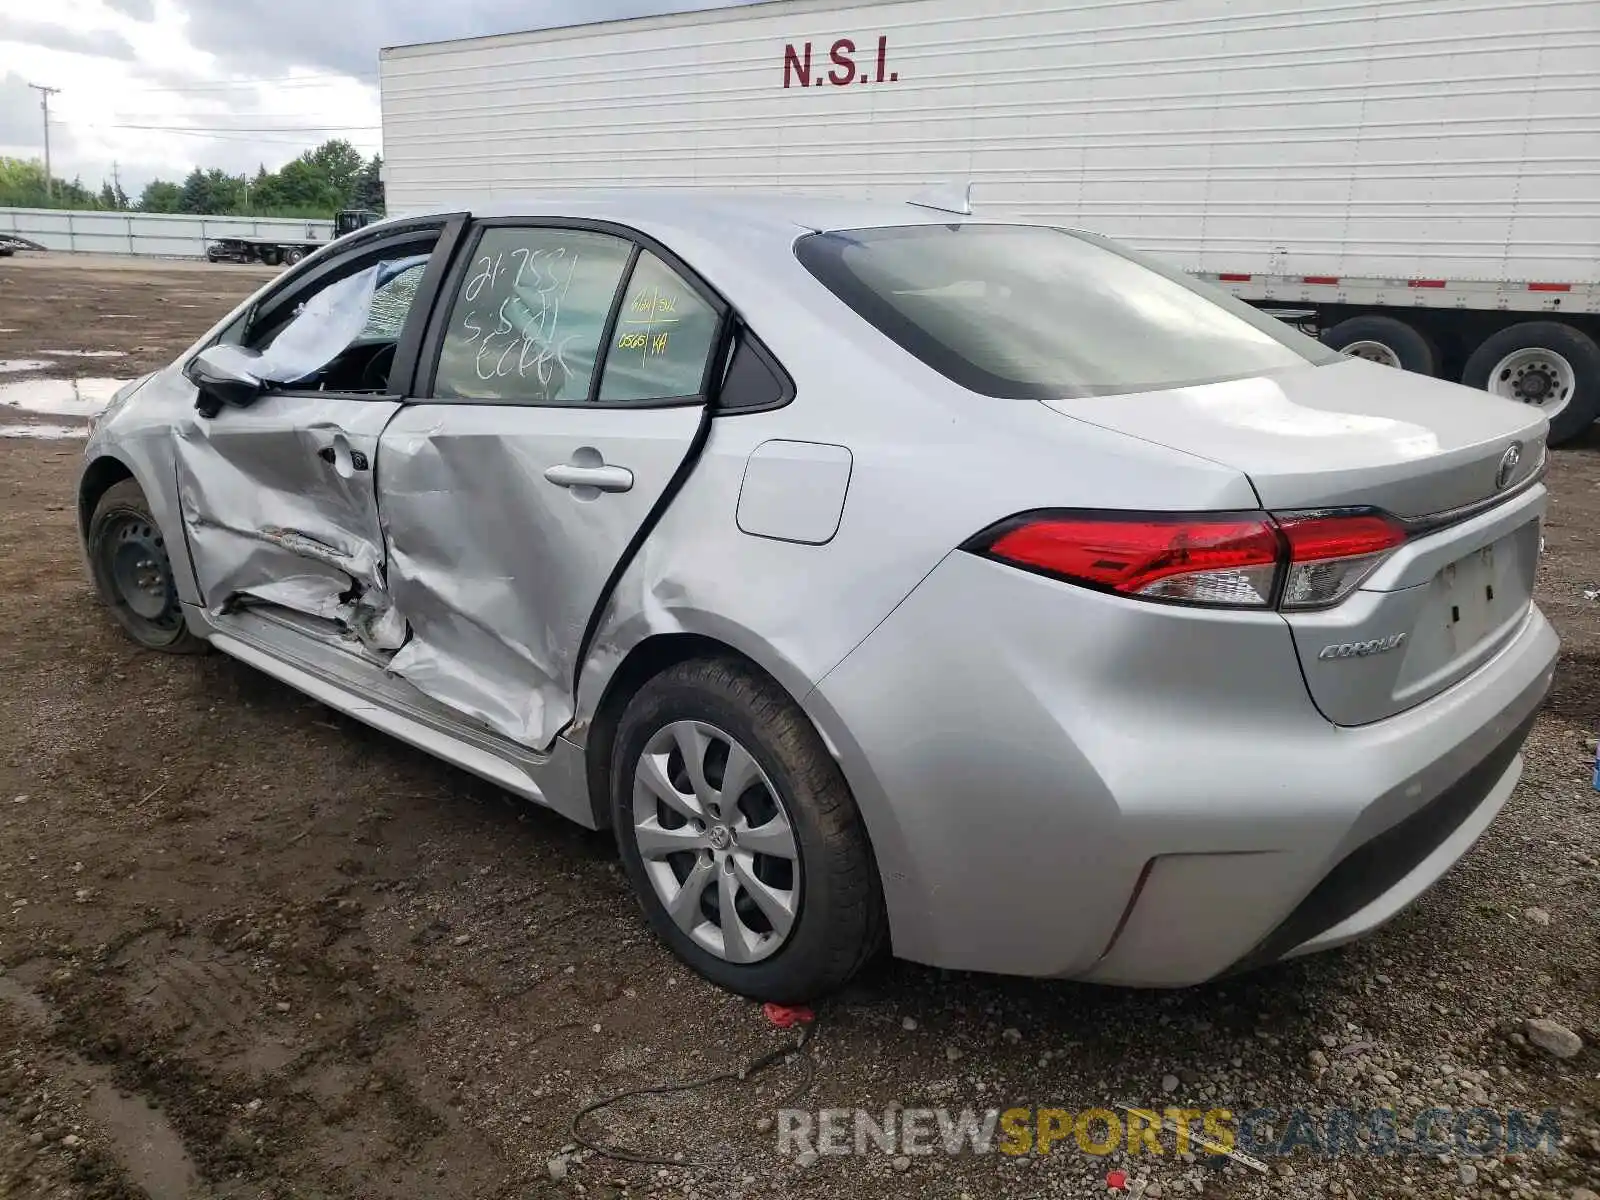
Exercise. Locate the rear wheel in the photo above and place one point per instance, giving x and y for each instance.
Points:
(293, 255)
(740, 836)
(132, 573)
(1387, 341)
(1546, 364)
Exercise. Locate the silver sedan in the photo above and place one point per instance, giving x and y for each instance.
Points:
(878, 574)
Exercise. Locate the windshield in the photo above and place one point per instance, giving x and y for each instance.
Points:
(1032, 312)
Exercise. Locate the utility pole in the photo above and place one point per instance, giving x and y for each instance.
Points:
(44, 102)
(116, 183)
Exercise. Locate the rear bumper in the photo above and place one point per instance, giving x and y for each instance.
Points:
(1147, 798)
(1379, 878)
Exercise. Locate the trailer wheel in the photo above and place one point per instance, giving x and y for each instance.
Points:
(1386, 341)
(1551, 366)
(293, 255)
(270, 257)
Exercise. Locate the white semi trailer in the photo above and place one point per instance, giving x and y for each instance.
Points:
(1417, 180)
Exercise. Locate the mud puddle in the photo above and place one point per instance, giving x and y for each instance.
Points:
(59, 397)
(44, 433)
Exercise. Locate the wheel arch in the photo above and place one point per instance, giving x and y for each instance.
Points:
(146, 461)
(101, 475)
(643, 662)
(661, 651)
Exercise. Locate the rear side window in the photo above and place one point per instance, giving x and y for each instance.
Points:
(662, 342)
(527, 324)
(1032, 312)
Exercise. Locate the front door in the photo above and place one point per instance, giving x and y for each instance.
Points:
(278, 498)
(567, 392)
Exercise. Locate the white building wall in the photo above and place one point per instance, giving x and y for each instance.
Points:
(1405, 138)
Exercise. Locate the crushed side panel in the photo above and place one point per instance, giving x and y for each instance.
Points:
(497, 565)
(477, 643)
(268, 518)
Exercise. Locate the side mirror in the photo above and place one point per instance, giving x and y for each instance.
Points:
(223, 374)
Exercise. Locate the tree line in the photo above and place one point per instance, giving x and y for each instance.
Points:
(317, 184)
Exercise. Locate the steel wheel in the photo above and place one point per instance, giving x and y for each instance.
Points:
(134, 558)
(132, 573)
(717, 843)
(1535, 375)
(1384, 356)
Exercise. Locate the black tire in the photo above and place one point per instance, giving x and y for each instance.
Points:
(270, 257)
(840, 924)
(293, 256)
(1577, 347)
(125, 538)
(1414, 349)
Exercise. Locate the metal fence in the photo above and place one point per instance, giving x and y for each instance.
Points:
(150, 235)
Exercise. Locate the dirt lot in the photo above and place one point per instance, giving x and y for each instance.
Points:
(251, 948)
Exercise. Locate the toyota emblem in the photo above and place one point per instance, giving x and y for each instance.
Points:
(1508, 466)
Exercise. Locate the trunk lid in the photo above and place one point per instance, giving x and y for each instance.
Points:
(1357, 434)
(1350, 432)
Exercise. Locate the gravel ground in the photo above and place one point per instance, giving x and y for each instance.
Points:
(251, 948)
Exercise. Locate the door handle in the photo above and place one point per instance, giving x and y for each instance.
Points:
(602, 479)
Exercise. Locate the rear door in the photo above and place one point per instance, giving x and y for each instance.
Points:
(278, 498)
(562, 392)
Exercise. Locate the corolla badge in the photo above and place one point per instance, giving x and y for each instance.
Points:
(1508, 466)
(1362, 649)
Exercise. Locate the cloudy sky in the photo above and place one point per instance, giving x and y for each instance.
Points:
(155, 87)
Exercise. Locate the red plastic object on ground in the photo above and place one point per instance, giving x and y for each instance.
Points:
(785, 1016)
(1116, 1180)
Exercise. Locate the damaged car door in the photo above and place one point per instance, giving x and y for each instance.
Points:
(276, 466)
(563, 390)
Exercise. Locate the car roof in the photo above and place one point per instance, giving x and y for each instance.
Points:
(705, 212)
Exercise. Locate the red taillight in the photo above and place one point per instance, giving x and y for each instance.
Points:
(1198, 559)
(1331, 553)
(1338, 535)
(1234, 560)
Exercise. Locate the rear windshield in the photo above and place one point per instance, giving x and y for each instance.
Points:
(1031, 312)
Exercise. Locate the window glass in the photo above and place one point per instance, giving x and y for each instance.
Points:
(1029, 311)
(662, 340)
(527, 324)
(366, 290)
(392, 300)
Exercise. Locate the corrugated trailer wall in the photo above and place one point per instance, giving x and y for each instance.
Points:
(157, 235)
(1455, 138)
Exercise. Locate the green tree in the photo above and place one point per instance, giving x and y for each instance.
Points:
(23, 185)
(160, 196)
(301, 187)
(212, 192)
(369, 186)
(339, 163)
(316, 184)
(259, 192)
